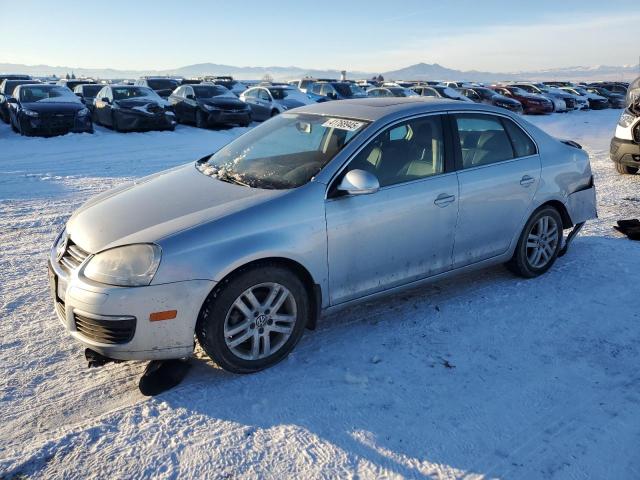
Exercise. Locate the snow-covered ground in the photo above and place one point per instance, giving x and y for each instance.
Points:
(482, 376)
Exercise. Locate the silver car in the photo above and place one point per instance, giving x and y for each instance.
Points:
(315, 209)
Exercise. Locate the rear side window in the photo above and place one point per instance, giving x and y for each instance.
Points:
(483, 140)
(522, 144)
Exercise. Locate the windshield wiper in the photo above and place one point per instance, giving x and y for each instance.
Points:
(225, 177)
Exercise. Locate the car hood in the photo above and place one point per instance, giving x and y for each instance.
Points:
(53, 107)
(505, 99)
(224, 102)
(290, 103)
(157, 206)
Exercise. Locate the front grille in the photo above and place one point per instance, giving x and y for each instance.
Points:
(105, 329)
(571, 103)
(57, 122)
(73, 256)
(155, 109)
(61, 310)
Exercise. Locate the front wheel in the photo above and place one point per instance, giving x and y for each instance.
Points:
(539, 244)
(626, 170)
(253, 320)
(201, 122)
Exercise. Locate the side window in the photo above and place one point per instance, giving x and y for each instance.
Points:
(429, 92)
(375, 93)
(316, 89)
(188, 91)
(179, 92)
(407, 151)
(483, 140)
(264, 95)
(522, 144)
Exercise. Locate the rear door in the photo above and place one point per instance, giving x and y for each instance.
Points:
(498, 173)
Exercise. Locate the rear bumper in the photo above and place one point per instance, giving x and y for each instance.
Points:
(625, 152)
(581, 205)
(132, 120)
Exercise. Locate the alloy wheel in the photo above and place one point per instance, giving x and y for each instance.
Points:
(260, 321)
(542, 242)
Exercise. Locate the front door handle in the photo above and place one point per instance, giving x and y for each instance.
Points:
(444, 199)
(527, 180)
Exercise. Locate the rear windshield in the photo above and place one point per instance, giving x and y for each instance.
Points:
(91, 90)
(209, 91)
(162, 83)
(10, 85)
(285, 152)
(122, 93)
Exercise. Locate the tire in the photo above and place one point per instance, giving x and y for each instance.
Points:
(13, 127)
(269, 283)
(526, 261)
(114, 123)
(200, 121)
(274, 112)
(625, 170)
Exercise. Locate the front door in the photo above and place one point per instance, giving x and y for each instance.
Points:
(405, 230)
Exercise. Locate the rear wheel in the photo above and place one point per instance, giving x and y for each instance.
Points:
(114, 122)
(538, 245)
(626, 170)
(253, 320)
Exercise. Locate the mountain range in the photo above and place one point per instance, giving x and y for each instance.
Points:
(419, 71)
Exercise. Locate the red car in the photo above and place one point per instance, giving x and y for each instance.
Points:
(531, 103)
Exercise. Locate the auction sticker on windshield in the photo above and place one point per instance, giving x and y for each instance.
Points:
(343, 124)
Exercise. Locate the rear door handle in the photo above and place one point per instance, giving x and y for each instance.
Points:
(444, 199)
(527, 180)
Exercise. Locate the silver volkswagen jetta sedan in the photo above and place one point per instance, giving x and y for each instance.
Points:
(317, 208)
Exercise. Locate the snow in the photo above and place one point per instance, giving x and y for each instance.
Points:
(481, 376)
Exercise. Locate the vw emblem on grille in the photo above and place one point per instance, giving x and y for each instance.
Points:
(62, 247)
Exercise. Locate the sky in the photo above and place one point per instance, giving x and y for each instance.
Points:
(370, 36)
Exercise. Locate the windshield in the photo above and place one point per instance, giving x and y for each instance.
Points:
(285, 152)
(348, 89)
(47, 93)
(162, 83)
(123, 93)
(517, 91)
(10, 85)
(209, 91)
(402, 92)
(485, 92)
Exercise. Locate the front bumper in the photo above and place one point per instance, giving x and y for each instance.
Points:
(226, 117)
(625, 152)
(115, 321)
(537, 108)
(55, 125)
(138, 120)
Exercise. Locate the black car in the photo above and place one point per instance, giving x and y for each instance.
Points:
(6, 93)
(616, 100)
(13, 76)
(491, 97)
(613, 87)
(87, 94)
(46, 110)
(161, 85)
(209, 104)
(131, 107)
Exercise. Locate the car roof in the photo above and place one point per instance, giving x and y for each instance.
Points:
(373, 109)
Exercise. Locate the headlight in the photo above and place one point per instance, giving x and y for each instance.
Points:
(82, 112)
(128, 266)
(30, 113)
(211, 108)
(626, 119)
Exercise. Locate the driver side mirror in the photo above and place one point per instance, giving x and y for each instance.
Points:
(332, 95)
(359, 182)
(78, 94)
(191, 97)
(105, 100)
(11, 100)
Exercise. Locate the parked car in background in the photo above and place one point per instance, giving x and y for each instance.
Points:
(208, 104)
(614, 87)
(6, 93)
(87, 94)
(269, 101)
(302, 84)
(593, 100)
(625, 145)
(531, 103)
(337, 90)
(228, 82)
(559, 100)
(491, 97)
(396, 91)
(455, 84)
(245, 248)
(616, 100)
(440, 91)
(581, 101)
(132, 107)
(163, 86)
(47, 110)
(190, 81)
(72, 83)
(13, 76)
